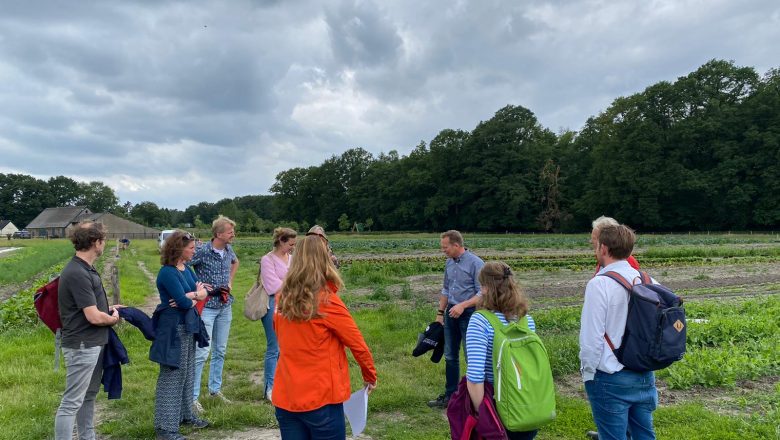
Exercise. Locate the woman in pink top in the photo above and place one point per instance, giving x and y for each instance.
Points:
(273, 268)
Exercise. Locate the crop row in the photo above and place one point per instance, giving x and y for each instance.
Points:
(33, 258)
(731, 343)
(514, 241)
(523, 263)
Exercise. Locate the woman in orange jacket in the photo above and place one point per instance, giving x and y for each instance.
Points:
(313, 326)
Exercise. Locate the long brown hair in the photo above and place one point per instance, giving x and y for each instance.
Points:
(310, 272)
(500, 293)
(173, 247)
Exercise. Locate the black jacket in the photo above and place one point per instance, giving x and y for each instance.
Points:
(166, 347)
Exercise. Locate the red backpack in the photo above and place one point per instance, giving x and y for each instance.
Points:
(46, 300)
(47, 305)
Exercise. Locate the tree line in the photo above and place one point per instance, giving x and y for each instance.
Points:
(699, 153)
(23, 197)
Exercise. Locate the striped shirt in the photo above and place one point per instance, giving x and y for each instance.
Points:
(213, 267)
(479, 346)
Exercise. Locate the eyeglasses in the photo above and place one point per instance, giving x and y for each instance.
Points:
(188, 237)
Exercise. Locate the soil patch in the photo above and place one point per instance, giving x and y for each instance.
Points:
(564, 287)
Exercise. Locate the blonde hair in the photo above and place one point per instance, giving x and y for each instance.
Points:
(500, 292)
(604, 221)
(305, 284)
(283, 235)
(219, 224)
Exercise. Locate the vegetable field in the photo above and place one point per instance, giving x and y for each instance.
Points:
(726, 387)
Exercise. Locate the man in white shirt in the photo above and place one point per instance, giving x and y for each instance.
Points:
(621, 400)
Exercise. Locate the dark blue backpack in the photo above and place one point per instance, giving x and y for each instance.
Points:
(655, 329)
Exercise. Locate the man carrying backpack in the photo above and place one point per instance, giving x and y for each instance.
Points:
(85, 320)
(620, 399)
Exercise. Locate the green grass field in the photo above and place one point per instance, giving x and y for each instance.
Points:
(727, 387)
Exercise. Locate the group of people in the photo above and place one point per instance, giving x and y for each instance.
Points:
(622, 401)
(308, 387)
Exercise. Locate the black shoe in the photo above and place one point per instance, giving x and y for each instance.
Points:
(440, 402)
(168, 435)
(592, 435)
(195, 422)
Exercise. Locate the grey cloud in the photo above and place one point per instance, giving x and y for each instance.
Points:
(163, 91)
(361, 35)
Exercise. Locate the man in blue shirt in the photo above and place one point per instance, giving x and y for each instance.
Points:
(216, 264)
(457, 303)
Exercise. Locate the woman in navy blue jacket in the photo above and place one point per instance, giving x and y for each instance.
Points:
(178, 328)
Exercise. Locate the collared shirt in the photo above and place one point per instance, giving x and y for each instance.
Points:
(604, 312)
(461, 278)
(213, 268)
(80, 287)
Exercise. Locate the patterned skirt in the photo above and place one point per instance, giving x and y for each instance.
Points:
(173, 399)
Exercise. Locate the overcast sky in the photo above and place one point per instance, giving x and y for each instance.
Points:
(181, 102)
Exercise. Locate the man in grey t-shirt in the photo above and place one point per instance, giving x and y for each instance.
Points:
(85, 320)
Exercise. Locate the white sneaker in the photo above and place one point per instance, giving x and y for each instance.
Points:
(268, 394)
(197, 408)
(221, 397)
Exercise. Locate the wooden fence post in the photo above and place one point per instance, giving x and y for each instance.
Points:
(115, 284)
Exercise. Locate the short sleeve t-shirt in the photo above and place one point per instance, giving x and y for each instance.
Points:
(81, 287)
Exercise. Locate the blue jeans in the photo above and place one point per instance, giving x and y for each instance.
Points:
(217, 323)
(623, 401)
(82, 382)
(454, 337)
(271, 345)
(326, 423)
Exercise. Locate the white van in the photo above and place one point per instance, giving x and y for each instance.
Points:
(163, 235)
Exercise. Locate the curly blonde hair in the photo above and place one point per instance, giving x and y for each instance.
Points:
(500, 292)
(305, 284)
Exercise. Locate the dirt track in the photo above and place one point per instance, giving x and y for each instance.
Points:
(725, 281)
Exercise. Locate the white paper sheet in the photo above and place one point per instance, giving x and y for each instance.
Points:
(356, 410)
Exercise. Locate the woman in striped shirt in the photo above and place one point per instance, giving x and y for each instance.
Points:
(501, 296)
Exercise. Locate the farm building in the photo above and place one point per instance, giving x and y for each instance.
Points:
(7, 228)
(57, 222)
(119, 227)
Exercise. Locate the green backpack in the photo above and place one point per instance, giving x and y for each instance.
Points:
(522, 378)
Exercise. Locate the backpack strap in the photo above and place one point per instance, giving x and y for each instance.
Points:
(618, 278)
(645, 278)
(491, 318)
(497, 324)
(626, 285)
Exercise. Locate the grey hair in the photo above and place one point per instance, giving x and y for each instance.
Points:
(604, 221)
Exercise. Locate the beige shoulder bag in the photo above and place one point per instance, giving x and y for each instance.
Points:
(256, 301)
